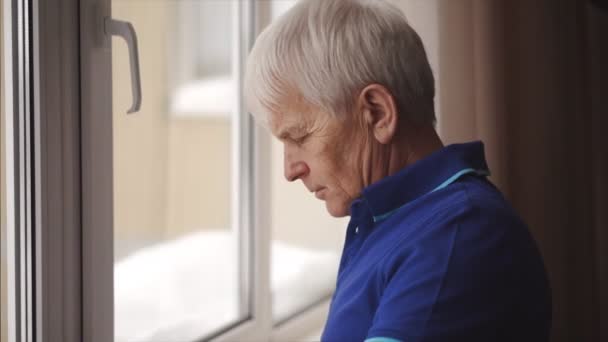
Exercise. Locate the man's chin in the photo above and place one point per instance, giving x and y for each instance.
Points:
(336, 209)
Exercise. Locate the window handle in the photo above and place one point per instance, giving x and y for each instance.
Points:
(127, 32)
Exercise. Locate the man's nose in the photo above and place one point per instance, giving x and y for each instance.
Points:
(294, 170)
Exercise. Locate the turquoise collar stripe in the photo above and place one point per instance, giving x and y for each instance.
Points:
(460, 174)
(447, 182)
(382, 339)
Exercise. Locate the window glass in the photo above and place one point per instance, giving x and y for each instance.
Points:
(306, 248)
(176, 257)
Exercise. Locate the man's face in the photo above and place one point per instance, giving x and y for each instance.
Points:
(323, 152)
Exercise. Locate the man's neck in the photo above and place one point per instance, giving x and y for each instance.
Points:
(416, 144)
(411, 145)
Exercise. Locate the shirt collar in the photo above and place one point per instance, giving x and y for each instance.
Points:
(431, 173)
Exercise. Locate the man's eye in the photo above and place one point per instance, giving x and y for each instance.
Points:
(300, 140)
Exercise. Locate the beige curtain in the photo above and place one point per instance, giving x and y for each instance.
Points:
(530, 79)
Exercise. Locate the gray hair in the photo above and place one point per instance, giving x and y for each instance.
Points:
(327, 51)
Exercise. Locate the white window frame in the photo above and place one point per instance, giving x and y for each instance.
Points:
(69, 274)
(43, 225)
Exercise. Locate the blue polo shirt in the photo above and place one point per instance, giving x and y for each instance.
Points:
(435, 253)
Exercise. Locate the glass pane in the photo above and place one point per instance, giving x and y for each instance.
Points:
(306, 247)
(176, 256)
(307, 241)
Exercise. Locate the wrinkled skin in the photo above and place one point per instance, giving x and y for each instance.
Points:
(337, 157)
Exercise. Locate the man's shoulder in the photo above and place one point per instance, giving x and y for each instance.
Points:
(471, 236)
(471, 215)
(471, 202)
(460, 255)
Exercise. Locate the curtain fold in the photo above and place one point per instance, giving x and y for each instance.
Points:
(529, 78)
(597, 73)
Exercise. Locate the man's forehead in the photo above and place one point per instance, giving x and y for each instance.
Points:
(294, 115)
(287, 123)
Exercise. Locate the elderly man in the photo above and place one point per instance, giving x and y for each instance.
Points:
(433, 252)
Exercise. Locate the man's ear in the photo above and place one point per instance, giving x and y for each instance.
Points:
(379, 110)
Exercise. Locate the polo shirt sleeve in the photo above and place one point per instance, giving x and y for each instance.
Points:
(452, 286)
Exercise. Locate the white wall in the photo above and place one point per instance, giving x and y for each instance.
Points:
(423, 16)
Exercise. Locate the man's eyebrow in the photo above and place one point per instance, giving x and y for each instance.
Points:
(287, 133)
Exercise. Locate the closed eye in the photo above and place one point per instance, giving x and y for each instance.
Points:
(300, 140)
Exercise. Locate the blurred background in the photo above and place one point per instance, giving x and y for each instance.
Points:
(529, 78)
